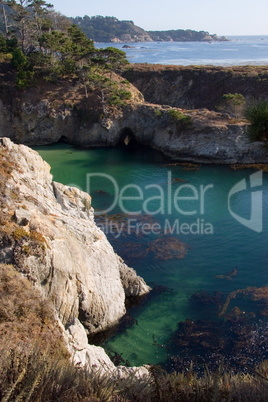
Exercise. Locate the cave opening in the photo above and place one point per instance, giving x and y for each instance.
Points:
(63, 139)
(128, 140)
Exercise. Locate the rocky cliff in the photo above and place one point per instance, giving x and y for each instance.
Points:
(212, 138)
(48, 233)
(195, 87)
(61, 112)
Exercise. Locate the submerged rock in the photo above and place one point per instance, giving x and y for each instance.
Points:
(206, 298)
(167, 248)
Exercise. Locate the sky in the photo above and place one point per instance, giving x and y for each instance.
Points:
(227, 17)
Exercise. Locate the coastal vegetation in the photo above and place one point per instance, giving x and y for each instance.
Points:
(38, 44)
(110, 29)
(234, 104)
(184, 35)
(183, 121)
(257, 114)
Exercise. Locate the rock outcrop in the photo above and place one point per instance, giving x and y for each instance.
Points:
(95, 358)
(214, 137)
(196, 87)
(50, 236)
(47, 232)
(181, 35)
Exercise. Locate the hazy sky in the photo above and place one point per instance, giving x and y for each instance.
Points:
(227, 17)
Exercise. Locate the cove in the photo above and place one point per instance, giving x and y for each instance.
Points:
(192, 273)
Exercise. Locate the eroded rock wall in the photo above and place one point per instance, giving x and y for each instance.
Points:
(213, 137)
(196, 87)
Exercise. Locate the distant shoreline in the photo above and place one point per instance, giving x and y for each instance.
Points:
(111, 30)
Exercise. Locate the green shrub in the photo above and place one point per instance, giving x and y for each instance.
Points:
(25, 74)
(24, 79)
(19, 60)
(116, 101)
(183, 122)
(118, 97)
(123, 94)
(257, 114)
(234, 104)
(234, 99)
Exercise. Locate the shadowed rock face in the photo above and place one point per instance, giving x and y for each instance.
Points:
(195, 87)
(212, 137)
(46, 117)
(50, 236)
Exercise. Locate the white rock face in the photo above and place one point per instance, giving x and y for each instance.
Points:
(77, 268)
(95, 358)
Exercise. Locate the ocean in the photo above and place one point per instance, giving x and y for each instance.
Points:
(240, 50)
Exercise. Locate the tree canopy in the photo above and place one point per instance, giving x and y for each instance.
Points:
(40, 42)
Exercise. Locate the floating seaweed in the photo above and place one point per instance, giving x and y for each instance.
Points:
(230, 275)
(185, 165)
(166, 248)
(256, 166)
(179, 180)
(258, 295)
(241, 338)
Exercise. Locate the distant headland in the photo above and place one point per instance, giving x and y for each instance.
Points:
(110, 29)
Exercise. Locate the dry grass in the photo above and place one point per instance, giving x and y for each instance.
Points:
(218, 386)
(35, 365)
(25, 315)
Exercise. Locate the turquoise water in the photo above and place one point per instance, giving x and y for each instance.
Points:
(240, 50)
(214, 245)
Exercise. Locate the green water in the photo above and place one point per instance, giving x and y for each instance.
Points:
(226, 243)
